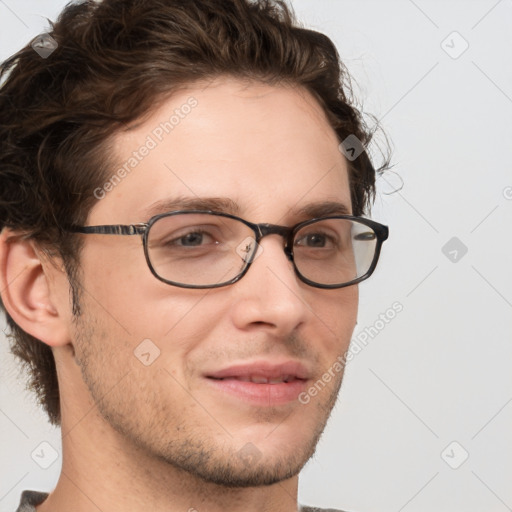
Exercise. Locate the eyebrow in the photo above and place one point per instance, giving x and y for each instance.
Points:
(219, 204)
(322, 209)
(227, 205)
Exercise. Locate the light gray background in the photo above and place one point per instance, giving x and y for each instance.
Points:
(439, 372)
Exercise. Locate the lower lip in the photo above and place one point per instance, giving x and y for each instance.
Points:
(260, 394)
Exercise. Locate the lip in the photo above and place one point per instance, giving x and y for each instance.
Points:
(228, 381)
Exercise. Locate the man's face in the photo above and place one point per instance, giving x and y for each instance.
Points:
(272, 151)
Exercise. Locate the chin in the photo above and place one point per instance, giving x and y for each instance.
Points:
(252, 465)
(248, 473)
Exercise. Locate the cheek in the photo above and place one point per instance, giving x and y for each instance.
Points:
(337, 313)
(130, 298)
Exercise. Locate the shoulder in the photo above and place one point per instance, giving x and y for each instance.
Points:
(30, 499)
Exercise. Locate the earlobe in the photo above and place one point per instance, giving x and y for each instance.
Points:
(26, 291)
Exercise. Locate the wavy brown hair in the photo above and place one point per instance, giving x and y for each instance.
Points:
(115, 61)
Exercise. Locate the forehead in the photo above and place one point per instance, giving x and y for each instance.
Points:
(269, 149)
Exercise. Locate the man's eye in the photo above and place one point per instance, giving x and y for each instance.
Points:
(366, 236)
(315, 240)
(192, 239)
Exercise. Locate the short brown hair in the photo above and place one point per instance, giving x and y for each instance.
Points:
(114, 61)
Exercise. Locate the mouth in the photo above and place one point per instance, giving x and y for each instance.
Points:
(257, 379)
(261, 383)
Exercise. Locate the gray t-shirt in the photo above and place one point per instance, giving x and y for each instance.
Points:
(29, 500)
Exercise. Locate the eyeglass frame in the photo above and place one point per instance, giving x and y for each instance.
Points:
(260, 230)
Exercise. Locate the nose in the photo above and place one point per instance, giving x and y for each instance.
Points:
(270, 293)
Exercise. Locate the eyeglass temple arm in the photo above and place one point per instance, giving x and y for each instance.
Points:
(116, 229)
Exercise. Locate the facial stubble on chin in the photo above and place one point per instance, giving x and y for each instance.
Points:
(196, 456)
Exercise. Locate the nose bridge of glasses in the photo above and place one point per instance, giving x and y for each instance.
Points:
(273, 229)
(266, 229)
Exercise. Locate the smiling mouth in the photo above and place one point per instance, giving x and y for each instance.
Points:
(259, 391)
(260, 383)
(256, 379)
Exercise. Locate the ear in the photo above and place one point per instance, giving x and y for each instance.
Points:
(34, 292)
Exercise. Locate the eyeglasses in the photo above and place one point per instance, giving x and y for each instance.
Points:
(208, 249)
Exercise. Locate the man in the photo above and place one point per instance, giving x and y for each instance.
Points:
(181, 246)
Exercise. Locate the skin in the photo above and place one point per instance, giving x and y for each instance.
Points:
(157, 437)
